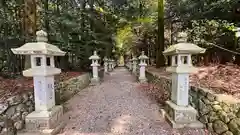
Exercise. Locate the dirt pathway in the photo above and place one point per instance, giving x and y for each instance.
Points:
(116, 107)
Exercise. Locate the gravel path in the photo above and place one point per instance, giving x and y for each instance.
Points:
(116, 107)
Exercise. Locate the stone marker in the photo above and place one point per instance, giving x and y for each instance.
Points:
(46, 117)
(95, 79)
(142, 64)
(105, 64)
(178, 111)
(134, 65)
(115, 63)
(130, 64)
(110, 65)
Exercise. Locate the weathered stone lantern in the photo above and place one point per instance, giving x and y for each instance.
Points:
(134, 64)
(115, 63)
(95, 79)
(110, 64)
(105, 64)
(143, 58)
(130, 64)
(178, 110)
(46, 117)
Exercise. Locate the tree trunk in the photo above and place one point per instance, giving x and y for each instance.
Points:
(46, 19)
(30, 25)
(160, 60)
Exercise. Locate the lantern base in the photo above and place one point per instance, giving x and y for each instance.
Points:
(110, 69)
(181, 116)
(95, 81)
(134, 72)
(44, 122)
(142, 79)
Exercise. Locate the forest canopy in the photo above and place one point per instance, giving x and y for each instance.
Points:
(118, 27)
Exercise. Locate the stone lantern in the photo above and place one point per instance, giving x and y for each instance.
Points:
(95, 80)
(178, 110)
(142, 64)
(46, 117)
(130, 64)
(134, 64)
(105, 64)
(110, 64)
(113, 64)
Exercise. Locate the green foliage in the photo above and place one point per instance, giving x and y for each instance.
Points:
(76, 29)
(129, 26)
(204, 31)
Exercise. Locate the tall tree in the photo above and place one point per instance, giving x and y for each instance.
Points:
(46, 19)
(160, 60)
(30, 22)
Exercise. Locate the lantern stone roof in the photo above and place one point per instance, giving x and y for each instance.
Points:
(105, 59)
(134, 59)
(39, 71)
(38, 48)
(41, 47)
(143, 56)
(94, 56)
(184, 48)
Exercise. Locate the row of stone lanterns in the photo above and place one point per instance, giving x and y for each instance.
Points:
(109, 65)
(132, 66)
(178, 111)
(46, 117)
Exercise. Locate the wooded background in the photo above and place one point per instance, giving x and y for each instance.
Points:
(118, 27)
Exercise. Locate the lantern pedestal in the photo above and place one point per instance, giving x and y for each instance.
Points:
(44, 122)
(95, 81)
(142, 78)
(181, 116)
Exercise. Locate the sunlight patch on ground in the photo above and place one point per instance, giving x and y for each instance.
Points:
(121, 124)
